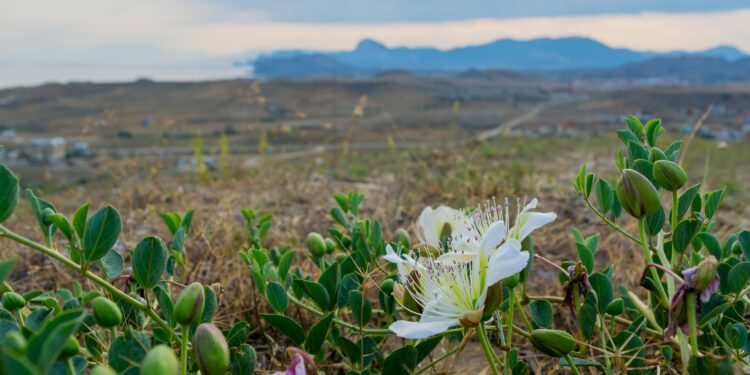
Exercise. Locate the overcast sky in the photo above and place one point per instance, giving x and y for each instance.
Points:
(70, 33)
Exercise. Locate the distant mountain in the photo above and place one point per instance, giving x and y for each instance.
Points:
(541, 55)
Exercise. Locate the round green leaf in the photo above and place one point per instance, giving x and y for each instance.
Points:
(287, 326)
(149, 261)
(8, 193)
(277, 298)
(101, 233)
(541, 313)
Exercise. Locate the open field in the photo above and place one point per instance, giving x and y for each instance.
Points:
(411, 148)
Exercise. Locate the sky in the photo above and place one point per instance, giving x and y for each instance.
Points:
(53, 40)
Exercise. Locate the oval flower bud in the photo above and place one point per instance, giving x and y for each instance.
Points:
(706, 273)
(330, 246)
(387, 286)
(669, 175)
(13, 301)
(190, 303)
(160, 360)
(102, 370)
(402, 238)
(106, 313)
(637, 194)
(70, 349)
(316, 245)
(493, 300)
(211, 350)
(552, 342)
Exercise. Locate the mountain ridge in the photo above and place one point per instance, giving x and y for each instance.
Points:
(371, 57)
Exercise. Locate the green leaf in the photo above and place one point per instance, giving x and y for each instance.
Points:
(284, 264)
(348, 283)
(62, 223)
(580, 362)
(739, 276)
(113, 264)
(209, 307)
(244, 360)
(401, 361)
(330, 280)
(79, 219)
(735, 335)
(277, 298)
(541, 313)
(587, 318)
(655, 222)
(317, 335)
(626, 136)
(586, 256)
(361, 307)
(713, 199)
(46, 345)
(686, 200)
(287, 326)
(316, 292)
(149, 261)
(128, 350)
(165, 304)
(602, 285)
(684, 233)
(673, 151)
(653, 131)
(12, 363)
(635, 126)
(711, 243)
(101, 233)
(8, 193)
(425, 347)
(6, 266)
(744, 240)
(604, 195)
(238, 334)
(637, 151)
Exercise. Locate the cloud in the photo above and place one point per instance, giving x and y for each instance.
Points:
(73, 30)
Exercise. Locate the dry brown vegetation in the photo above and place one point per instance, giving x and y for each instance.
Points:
(397, 184)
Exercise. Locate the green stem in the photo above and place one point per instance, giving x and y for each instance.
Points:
(5, 232)
(647, 256)
(69, 366)
(609, 222)
(572, 365)
(340, 322)
(491, 358)
(692, 324)
(523, 314)
(509, 323)
(184, 350)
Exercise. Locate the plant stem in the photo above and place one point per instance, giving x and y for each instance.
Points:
(340, 322)
(5, 232)
(69, 366)
(572, 365)
(491, 358)
(692, 324)
(183, 350)
(647, 256)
